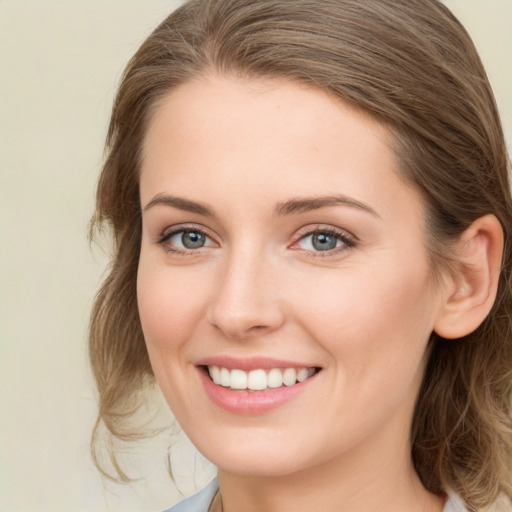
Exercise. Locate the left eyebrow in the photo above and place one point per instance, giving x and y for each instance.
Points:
(307, 204)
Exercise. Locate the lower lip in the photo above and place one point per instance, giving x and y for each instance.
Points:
(251, 402)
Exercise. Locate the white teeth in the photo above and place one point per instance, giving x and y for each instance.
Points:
(238, 379)
(302, 374)
(275, 378)
(258, 380)
(215, 374)
(290, 376)
(224, 377)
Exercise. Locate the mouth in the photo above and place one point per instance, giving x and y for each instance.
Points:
(256, 385)
(258, 379)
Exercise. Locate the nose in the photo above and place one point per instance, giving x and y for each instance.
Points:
(246, 302)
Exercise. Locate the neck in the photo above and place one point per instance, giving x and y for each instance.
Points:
(357, 482)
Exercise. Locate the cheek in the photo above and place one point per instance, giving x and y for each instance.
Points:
(375, 331)
(169, 307)
(373, 321)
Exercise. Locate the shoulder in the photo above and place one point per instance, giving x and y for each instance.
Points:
(199, 502)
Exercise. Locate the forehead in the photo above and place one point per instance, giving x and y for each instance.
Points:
(258, 107)
(266, 135)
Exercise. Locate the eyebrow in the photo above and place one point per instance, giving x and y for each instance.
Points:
(181, 204)
(293, 206)
(307, 204)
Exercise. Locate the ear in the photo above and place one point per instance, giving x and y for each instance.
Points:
(471, 290)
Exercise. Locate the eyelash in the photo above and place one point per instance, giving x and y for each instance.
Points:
(168, 234)
(348, 242)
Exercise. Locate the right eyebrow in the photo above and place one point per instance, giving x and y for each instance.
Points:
(181, 204)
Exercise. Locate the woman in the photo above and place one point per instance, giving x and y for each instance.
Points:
(312, 219)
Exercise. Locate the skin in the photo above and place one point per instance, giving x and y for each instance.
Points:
(258, 287)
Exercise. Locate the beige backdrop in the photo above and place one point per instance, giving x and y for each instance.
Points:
(60, 62)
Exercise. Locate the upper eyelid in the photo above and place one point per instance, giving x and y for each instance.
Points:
(178, 228)
(168, 233)
(349, 241)
(298, 235)
(324, 228)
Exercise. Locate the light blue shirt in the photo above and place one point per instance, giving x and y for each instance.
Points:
(201, 501)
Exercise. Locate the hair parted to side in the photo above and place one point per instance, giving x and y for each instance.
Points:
(409, 64)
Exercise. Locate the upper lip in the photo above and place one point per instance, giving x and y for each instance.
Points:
(251, 363)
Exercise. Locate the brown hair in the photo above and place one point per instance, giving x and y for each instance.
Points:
(411, 65)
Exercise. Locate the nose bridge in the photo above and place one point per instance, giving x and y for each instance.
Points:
(245, 300)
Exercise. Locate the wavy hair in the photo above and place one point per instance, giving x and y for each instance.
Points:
(412, 66)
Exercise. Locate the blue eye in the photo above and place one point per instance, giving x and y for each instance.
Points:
(186, 240)
(324, 241)
(191, 239)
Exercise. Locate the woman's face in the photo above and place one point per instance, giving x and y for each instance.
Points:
(279, 245)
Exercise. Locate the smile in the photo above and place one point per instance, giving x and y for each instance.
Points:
(256, 385)
(259, 379)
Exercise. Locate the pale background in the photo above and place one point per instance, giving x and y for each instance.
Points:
(60, 62)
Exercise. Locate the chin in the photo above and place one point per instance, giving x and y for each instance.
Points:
(263, 460)
(259, 467)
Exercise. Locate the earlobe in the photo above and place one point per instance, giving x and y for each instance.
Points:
(474, 285)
